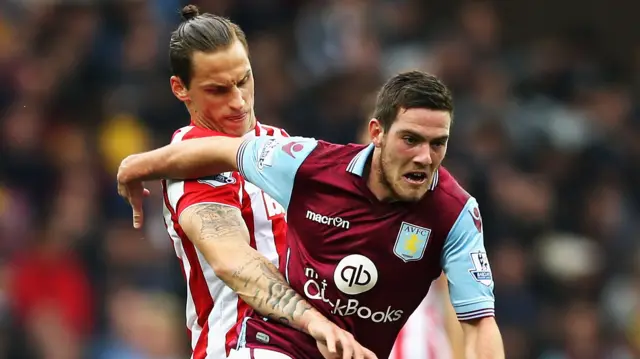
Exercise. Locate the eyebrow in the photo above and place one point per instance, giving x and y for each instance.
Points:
(441, 139)
(217, 84)
(422, 138)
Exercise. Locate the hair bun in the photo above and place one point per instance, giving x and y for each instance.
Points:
(189, 12)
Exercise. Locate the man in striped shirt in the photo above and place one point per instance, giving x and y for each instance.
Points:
(228, 233)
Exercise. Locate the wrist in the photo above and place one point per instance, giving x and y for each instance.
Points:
(310, 316)
(126, 171)
(148, 166)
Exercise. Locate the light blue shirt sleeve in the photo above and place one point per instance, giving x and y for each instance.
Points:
(466, 265)
(271, 163)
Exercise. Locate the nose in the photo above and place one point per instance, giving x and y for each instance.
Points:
(424, 156)
(237, 101)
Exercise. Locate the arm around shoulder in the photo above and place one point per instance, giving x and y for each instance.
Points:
(191, 158)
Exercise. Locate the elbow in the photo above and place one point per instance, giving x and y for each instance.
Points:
(221, 260)
(222, 269)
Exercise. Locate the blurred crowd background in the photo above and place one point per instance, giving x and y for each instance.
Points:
(546, 135)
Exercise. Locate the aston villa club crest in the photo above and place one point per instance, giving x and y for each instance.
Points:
(411, 242)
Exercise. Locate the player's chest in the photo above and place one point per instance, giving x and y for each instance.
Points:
(395, 237)
(363, 258)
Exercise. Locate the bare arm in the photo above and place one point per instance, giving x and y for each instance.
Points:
(451, 323)
(482, 339)
(219, 232)
(186, 159)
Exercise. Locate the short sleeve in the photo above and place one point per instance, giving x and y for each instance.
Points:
(225, 189)
(466, 265)
(272, 163)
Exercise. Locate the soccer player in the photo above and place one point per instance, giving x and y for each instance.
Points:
(369, 227)
(432, 331)
(218, 224)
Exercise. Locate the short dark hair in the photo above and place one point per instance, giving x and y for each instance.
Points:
(413, 89)
(200, 32)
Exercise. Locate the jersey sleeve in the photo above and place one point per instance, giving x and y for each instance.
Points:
(224, 189)
(272, 163)
(466, 265)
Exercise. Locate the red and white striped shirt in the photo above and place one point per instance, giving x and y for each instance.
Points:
(424, 335)
(213, 309)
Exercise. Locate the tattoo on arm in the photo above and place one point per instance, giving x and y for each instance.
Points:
(219, 221)
(266, 290)
(277, 300)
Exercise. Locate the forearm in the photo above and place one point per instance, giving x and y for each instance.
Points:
(451, 323)
(482, 339)
(220, 234)
(259, 284)
(187, 159)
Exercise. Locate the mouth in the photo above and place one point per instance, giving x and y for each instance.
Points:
(415, 177)
(238, 118)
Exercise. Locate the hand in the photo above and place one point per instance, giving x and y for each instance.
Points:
(133, 191)
(336, 343)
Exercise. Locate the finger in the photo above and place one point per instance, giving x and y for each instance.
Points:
(138, 215)
(358, 350)
(122, 191)
(146, 192)
(345, 344)
(330, 339)
(137, 219)
(368, 354)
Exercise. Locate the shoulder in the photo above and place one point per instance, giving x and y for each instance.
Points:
(327, 154)
(449, 196)
(449, 191)
(224, 188)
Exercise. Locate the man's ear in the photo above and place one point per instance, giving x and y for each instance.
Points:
(376, 132)
(179, 89)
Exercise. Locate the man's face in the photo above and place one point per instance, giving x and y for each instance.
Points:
(220, 95)
(411, 152)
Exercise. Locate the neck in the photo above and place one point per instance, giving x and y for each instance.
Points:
(199, 122)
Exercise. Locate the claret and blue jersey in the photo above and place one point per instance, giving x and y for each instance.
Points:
(363, 263)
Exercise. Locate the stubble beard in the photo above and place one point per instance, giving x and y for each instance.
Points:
(383, 178)
(387, 182)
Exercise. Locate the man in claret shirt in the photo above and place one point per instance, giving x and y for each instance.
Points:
(432, 331)
(370, 226)
(227, 232)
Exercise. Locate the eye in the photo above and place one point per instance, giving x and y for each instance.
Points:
(243, 81)
(218, 90)
(409, 140)
(438, 144)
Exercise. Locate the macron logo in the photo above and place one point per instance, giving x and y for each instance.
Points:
(329, 221)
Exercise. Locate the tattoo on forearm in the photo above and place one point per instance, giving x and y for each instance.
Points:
(277, 301)
(273, 296)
